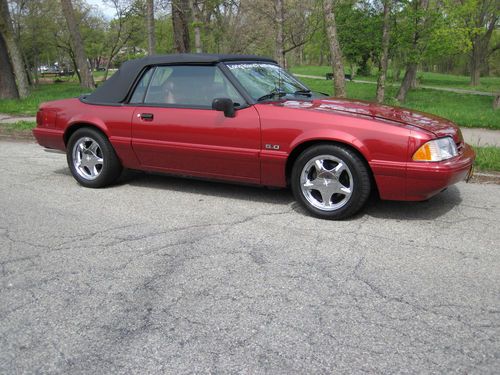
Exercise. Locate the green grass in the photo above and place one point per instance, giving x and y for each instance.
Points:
(18, 128)
(21, 125)
(42, 93)
(472, 111)
(488, 84)
(488, 158)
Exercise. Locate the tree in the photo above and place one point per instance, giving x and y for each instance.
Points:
(14, 52)
(150, 26)
(40, 28)
(280, 39)
(294, 23)
(359, 33)
(120, 31)
(419, 20)
(197, 10)
(8, 88)
(335, 51)
(94, 29)
(237, 26)
(385, 52)
(180, 22)
(87, 80)
(482, 21)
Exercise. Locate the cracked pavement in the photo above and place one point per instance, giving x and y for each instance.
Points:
(167, 275)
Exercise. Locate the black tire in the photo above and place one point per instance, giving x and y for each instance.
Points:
(353, 177)
(107, 167)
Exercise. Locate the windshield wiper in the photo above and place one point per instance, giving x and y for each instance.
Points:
(271, 95)
(306, 92)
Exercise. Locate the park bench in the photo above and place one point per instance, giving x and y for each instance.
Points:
(346, 76)
(56, 74)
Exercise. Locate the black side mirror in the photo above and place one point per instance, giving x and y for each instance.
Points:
(225, 105)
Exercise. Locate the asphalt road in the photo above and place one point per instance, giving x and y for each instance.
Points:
(164, 275)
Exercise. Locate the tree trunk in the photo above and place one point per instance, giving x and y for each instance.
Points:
(150, 26)
(27, 69)
(336, 53)
(74, 32)
(196, 12)
(36, 64)
(106, 70)
(414, 82)
(480, 45)
(180, 23)
(410, 78)
(8, 88)
(496, 102)
(385, 53)
(397, 73)
(14, 52)
(197, 39)
(410, 74)
(280, 39)
(73, 61)
(475, 65)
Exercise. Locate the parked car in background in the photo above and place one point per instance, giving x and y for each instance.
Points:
(54, 71)
(245, 119)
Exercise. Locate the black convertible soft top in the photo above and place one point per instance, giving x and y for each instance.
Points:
(116, 88)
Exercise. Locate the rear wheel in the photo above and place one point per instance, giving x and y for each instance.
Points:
(330, 181)
(92, 159)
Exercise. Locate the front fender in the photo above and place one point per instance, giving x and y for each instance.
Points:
(322, 135)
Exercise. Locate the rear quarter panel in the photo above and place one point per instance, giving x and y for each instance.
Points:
(114, 121)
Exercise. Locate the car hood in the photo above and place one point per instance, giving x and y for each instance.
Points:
(439, 126)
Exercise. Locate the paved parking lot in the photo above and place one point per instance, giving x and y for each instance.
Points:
(165, 275)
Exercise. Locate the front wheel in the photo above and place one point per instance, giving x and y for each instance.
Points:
(330, 181)
(92, 159)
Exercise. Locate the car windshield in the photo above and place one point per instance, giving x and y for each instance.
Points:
(264, 81)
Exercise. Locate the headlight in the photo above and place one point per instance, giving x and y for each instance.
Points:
(436, 150)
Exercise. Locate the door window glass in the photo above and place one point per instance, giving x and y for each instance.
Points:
(192, 86)
(140, 89)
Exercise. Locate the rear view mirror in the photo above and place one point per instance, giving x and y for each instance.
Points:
(225, 105)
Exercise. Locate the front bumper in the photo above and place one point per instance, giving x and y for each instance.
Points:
(423, 180)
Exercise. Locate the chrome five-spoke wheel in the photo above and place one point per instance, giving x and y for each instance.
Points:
(331, 181)
(326, 182)
(87, 158)
(92, 159)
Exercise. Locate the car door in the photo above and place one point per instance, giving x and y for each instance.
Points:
(175, 129)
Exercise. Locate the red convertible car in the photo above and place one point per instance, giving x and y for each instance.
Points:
(244, 119)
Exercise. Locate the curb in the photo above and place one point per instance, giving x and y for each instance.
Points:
(486, 178)
(16, 135)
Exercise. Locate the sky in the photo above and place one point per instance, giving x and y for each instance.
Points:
(107, 10)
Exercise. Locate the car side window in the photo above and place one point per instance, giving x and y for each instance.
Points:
(140, 89)
(156, 90)
(187, 86)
